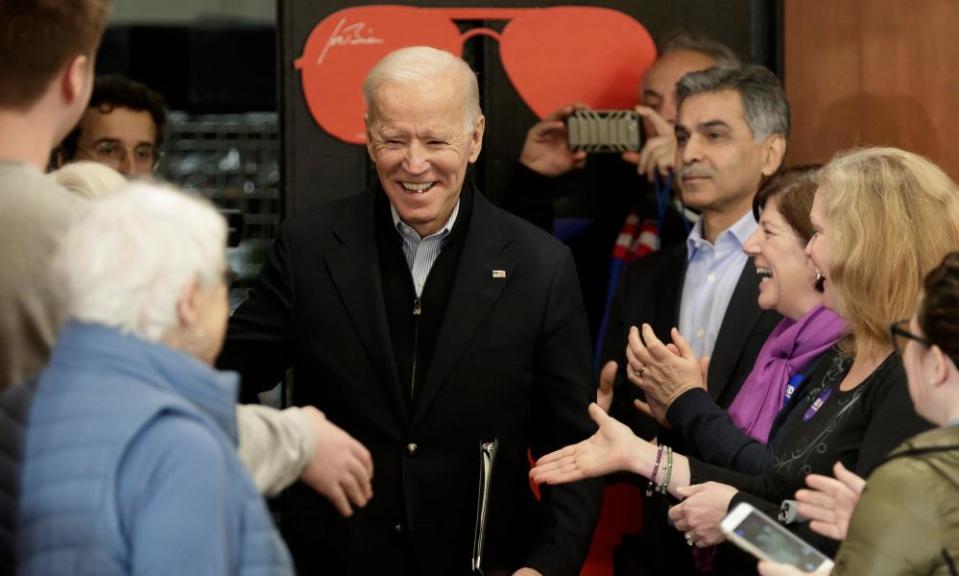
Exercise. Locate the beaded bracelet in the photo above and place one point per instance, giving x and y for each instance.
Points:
(663, 487)
(652, 477)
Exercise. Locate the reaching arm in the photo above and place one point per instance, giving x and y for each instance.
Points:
(613, 448)
(278, 447)
(697, 417)
(275, 446)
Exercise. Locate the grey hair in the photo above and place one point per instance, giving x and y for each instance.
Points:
(125, 262)
(721, 54)
(764, 102)
(418, 64)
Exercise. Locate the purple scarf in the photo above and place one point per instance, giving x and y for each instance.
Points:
(789, 349)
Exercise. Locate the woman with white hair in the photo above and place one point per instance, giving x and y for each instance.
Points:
(88, 179)
(129, 452)
(277, 447)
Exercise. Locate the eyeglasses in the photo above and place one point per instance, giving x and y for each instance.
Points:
(901, 336)
(112, 153)
(552, 56)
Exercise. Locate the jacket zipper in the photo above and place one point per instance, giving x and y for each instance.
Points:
(417, 312)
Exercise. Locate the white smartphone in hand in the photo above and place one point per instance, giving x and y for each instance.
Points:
(767, 539)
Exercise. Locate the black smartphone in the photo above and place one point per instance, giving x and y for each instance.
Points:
(604, 131)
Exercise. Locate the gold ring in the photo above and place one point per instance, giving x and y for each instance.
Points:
(689, 538)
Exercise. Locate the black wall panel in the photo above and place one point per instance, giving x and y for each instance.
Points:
(218, 67)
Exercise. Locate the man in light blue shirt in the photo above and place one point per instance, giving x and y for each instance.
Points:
(421, 252)
(731, 134)
(731, 131)
(712, 273)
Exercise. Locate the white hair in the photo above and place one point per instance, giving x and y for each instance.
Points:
(418, 64)
(88, 178)
(127, 260)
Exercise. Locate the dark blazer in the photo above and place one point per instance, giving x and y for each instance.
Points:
(603, 192)
(650, 291)
(511, 362)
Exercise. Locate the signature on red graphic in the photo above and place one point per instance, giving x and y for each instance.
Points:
(351, 35)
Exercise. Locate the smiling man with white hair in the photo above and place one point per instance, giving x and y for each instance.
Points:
(428, 323)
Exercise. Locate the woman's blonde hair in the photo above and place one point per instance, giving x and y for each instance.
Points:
(891, 217)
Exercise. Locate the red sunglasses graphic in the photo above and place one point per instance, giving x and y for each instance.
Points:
(553, 56)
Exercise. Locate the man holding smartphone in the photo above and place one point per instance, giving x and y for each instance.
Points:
(548, 184)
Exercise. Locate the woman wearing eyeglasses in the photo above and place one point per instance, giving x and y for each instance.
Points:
(907, 520)
(883, 218)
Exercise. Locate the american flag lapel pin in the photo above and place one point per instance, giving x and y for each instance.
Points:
(499, 273)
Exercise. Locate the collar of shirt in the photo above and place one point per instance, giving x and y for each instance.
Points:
(421, 253)
(408, 233)
(712, 273)
(731, 239)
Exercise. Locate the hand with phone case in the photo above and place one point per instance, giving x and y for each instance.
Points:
(658, 154)
(599, 131)
(768, 540)
(546, 150)
(603, 130)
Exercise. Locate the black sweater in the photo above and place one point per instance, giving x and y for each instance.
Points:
(858, 427)
(708, 427)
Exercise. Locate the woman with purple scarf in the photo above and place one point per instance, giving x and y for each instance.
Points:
(674, 381)
(737, 438)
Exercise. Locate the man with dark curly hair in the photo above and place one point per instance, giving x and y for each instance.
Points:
(122, 127)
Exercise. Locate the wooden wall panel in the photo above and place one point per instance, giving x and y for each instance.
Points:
(873, 72)
(821, 68)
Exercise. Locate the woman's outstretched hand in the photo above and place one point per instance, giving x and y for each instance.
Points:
(611, 449)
